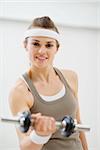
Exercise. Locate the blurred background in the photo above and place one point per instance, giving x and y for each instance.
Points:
(79, 25)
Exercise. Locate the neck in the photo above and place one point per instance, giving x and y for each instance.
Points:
(42, 74)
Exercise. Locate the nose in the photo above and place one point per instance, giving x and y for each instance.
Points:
(42, 49)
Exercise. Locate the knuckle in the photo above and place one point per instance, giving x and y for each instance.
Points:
(52, 119)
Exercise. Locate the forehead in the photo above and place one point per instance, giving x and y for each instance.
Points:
(42, 39)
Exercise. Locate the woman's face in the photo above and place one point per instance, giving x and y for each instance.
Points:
(41, 51)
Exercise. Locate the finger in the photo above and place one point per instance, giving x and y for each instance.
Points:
(35, 115)
(34, 118)
(52, 124)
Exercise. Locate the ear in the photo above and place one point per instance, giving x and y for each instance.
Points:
(57, 45)
(57, 50)
(24, 44)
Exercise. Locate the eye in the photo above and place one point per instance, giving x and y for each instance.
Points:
(49, 45)
(35, 44)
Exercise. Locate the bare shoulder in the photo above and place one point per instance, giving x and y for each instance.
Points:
(72, 79)
(19, 97)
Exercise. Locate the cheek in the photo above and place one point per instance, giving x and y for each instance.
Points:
(31, 54)
(54, 52)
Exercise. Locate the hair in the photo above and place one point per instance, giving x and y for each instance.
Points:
(44, 22)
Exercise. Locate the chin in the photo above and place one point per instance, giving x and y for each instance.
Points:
(40, 66)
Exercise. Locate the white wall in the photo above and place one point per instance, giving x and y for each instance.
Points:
(66, 12)
(78, 52)
(98, 87)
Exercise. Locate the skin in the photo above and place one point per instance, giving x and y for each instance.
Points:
(41, 52)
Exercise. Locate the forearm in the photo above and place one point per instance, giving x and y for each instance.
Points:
(27, 144)
(83, 141)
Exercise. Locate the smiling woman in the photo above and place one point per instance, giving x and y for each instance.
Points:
(41, 50)
(42, 41)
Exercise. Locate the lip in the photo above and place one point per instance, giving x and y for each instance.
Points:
(41, 58)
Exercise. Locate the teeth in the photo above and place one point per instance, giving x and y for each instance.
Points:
(41, 58)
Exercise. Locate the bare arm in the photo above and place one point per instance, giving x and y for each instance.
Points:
(20, 100)
(19, 103)
(82, 134)
(72, 79)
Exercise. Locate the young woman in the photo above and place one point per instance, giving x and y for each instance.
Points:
(47, 92)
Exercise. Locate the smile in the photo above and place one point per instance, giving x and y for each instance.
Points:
(41, 58)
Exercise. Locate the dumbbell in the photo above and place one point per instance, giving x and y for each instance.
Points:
(67, 125)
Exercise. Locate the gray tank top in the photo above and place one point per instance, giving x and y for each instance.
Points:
(66, 105)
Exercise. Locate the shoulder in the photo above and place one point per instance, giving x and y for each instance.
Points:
(72, 79)
(18, 89)
(19, 97)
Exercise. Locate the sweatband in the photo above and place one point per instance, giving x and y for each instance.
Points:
(38, 139)
(42, 32)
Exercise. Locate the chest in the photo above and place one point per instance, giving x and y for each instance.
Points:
(49, 88)
(66, 105)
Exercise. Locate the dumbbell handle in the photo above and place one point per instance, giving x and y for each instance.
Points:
(18, 121)
(78, 127)
(11, 120)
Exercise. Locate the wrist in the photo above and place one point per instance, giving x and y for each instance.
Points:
(38, 139)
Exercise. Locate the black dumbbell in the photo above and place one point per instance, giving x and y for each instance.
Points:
(67, 126)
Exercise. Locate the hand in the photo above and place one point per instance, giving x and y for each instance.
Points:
(43, 125)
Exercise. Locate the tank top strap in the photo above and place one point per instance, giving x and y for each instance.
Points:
(32, 88)
(30, 84)
(62, 78)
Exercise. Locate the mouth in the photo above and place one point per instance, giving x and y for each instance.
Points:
(41, 58)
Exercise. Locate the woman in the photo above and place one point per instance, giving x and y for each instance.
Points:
(47, 92)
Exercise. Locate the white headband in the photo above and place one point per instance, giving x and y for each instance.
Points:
(42, 32)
